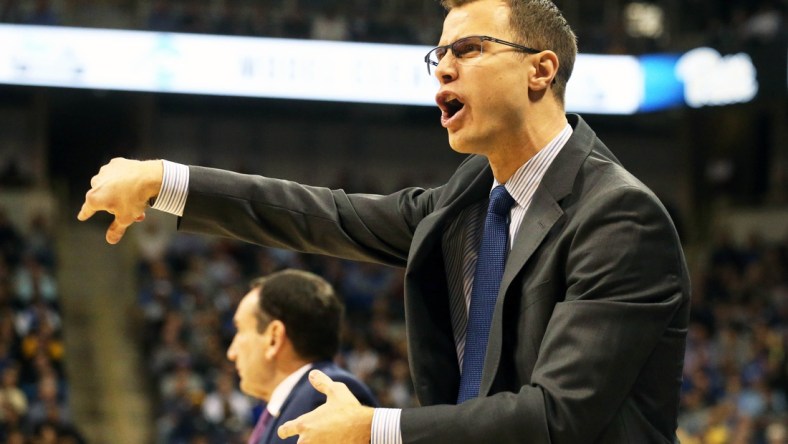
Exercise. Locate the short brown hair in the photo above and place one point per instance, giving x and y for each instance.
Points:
(309, 308)
(540, 24)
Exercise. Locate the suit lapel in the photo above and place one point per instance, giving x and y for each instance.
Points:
(429, 231)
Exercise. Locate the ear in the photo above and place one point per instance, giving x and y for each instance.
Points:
(545, 69)
(277, 336)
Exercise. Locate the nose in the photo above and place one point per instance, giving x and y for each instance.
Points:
(231, 354)
(446, 71)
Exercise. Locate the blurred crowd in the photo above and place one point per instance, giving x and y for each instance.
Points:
(626, 27)
(736, 370)
(735, 387)
(33, 387)
(635, 28)
(402, 21)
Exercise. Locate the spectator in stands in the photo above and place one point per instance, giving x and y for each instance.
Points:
(48, 407)
(13, 401)
(362, 284)
(152, 243)
(287, 325)
(195, 17)
(11, 173)
(424, 31)
(35, 317)
(296, 24)
(161, 17)
(226, 409)
(11, 241)
(46, 433)
(776, 433)
(40, 242)
(15, 436)
(34, 281)
(259, 21)
(10, 13)
(181, 417)
(765, 23)
(358, 24)
(330, 24)
(400, 389)
(170, 352)
(8, 339)
(231, 19)
(43, 14)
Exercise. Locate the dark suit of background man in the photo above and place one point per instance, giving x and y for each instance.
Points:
(587, 320)
(287, 325)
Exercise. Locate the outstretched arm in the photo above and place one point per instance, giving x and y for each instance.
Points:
(265, 211)
(122, 188)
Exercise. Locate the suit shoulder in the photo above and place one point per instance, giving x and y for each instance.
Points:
(602, 175)
(339, 374)
(356, 386)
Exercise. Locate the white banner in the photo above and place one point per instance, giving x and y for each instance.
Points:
(335, 71)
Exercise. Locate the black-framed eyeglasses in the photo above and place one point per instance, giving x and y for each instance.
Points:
(468, 48)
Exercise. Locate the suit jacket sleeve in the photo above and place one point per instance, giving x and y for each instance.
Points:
(283, 214)
(624, 285)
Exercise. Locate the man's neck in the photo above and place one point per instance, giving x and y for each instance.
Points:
(284, 385)
(285, 369)
(505, 161)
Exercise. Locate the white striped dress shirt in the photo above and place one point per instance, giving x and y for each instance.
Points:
(466, 227)
(174, 189)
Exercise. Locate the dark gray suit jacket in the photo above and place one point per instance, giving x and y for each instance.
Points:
(587, 340)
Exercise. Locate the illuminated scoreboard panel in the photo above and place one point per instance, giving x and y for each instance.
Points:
(340, 71)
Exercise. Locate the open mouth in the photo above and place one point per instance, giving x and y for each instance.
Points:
(450, 105)
(453, 107)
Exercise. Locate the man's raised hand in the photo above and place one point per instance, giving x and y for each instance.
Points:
(122, 188)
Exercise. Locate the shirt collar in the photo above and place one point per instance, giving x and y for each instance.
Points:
(522, 185)
(282, 391)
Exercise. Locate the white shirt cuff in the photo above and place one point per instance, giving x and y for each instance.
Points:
(174, 189)
(385, 426)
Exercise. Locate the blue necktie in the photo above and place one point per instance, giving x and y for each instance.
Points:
(486, 283)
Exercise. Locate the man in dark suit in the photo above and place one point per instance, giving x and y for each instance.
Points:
(546, 290)
(287, 325)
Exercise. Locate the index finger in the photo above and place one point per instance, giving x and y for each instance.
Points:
(116, 231)
(332, 389)
(288, 429)
(86, 212)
